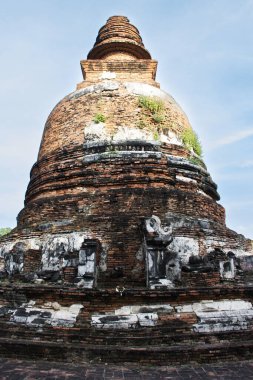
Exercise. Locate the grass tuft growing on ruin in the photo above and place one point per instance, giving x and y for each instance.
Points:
(191, 141)
(158, 118)
(4, 231)
(197, 161)
(99, 118)
(153, 105)
(156, 136)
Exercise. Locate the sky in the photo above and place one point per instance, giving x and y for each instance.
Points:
(204, 50)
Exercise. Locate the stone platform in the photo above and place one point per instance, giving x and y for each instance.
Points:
(159, 327)
(19, 369)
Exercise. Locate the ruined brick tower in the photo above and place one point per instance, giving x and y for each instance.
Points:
(121, 213)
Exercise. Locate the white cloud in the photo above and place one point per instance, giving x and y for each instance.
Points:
(230, 139)
(240, 204)
(246, 164)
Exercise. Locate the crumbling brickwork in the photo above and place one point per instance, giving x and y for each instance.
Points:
(111, 156)
(122, 230)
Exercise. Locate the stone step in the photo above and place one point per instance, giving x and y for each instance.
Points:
(156, 336)
(166, 355)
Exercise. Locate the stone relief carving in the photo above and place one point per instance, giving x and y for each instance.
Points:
(154, 227)
(163, 266)
(87, 263)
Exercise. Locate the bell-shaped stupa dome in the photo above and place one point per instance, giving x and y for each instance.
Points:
(118, 162)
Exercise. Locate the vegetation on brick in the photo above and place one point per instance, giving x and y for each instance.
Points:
(153, 105)
(4, 231)
(141, 124)
(197, 161)
(99, 118)
(153, 112)
(191, 141)
(156, 136)
(158, 118)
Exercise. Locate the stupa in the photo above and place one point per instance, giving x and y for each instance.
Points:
(122, 242)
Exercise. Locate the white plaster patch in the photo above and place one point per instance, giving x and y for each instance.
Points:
(103, 260)
(46, 314)
(48, 242)
(124, 133)
(217, 316)
(84, 269)
(212, 243)
(185, 247)
(13, 266)
(108, 75)
(114, 322)
(223, 320)
(131, 316)
(136, 309)
(5, 248)
(54, 246)
(96, 132)
(170, 138)
(148, 90)
(110, 155)
(203, 193)
(162, 282)
(125, 321)
(147, 319)
(31, 303)
(227, 269)
(86, 283)
(209, 305)
(106, 85)
(185, 179)
(239, 252)
(33, 243)
(39, 281)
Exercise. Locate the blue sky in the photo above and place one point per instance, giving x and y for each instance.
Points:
(205, 54)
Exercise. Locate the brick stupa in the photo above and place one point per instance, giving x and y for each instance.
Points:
(122, 243)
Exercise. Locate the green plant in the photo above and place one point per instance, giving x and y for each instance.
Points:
(141, 124)
(152, 104)
(4, 231)
(156, 136)
(158, 118)
(99, 118)
(197, 161)
(191, 141)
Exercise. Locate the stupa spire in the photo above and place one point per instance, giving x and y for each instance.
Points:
(118, 35)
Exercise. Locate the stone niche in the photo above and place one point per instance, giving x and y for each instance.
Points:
(171, 261)
(14, 261)
(87, 268)
(72, 259)
(227, 267)
(32, 261)
(163, 265)
(246, 266)
(210, 269)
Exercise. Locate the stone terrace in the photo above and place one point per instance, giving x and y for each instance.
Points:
(20, 370)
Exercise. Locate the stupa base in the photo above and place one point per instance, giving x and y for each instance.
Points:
(175, 326)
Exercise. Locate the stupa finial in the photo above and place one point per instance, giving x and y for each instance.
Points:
(118, 35)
